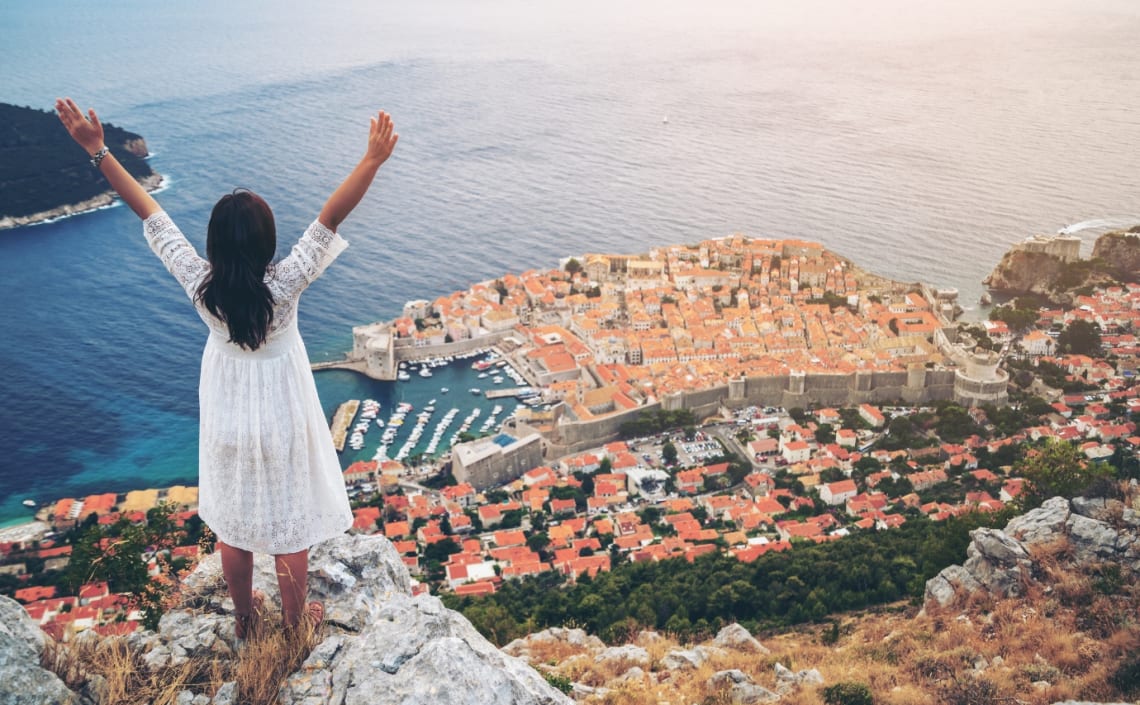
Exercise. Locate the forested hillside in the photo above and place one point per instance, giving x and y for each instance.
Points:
(41, 169)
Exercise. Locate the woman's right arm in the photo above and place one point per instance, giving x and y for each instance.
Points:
(381, 141)
(87, 132)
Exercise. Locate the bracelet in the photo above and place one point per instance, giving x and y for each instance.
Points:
(99, 156)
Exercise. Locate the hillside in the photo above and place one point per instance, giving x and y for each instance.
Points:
(43, 174)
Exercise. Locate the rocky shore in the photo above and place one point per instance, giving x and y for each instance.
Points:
(151, 183)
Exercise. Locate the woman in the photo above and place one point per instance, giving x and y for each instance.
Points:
(269, 478)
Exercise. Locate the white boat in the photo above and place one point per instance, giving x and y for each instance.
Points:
(425, 372)
(29, 503)
(403, 376)
(444, 390)
(476, 391)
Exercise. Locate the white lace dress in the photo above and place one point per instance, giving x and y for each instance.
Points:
(269, 478)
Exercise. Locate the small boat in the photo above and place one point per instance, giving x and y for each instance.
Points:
(29, 503)
(476, 391)
(425, 372)
(403, 376)
(444, 390)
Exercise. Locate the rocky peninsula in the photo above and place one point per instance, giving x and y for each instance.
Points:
(1052, 268)
(44, 175)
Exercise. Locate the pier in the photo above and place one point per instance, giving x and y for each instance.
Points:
(344, 415)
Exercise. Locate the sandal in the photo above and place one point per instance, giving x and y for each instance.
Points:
(246, 625)
(309, 621)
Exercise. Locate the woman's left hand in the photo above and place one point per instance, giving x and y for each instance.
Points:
(86, 130)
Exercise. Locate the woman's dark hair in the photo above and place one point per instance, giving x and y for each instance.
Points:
(240, 243)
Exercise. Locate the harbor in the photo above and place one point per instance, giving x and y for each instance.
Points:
(434, 404)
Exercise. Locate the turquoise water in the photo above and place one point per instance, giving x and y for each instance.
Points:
(920, 140)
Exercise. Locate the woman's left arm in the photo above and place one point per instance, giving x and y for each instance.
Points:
(87, 132)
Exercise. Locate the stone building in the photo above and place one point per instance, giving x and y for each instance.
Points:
(496, 460)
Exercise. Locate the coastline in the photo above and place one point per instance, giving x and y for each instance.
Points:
(152, 183)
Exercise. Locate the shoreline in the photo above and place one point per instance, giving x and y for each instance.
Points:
(153, 184)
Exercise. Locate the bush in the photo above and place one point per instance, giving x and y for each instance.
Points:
(1126, 679)
(562, 683)
(848, 694)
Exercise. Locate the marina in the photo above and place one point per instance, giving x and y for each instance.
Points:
(415, 419)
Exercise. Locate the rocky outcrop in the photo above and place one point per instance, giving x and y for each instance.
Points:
(1120, 251)
(22, 681)
(1021, 272)
(1028, 269)
(1001, 561)
(382, 645)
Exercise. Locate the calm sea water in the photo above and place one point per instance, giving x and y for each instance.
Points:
(919, 139)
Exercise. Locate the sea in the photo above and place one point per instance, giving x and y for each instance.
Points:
(918, 138)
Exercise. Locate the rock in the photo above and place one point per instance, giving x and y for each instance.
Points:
(22, 681)
(633, 674)
(581, 692)
(787, 680)
(737, 637)
(721, 679)
(382, 645)
(749, 693)
(1041, 525)
(629, 653)
(1091, 540)
(226, 694)
(681, 659)
(943, 587)
(571, 637)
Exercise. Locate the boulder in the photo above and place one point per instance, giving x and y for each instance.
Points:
(1041, 525)
(722, 679)
(628, 653)
(788, 680)
(737, 637)
(22, 681)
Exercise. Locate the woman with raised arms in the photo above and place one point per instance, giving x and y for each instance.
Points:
(269, 478)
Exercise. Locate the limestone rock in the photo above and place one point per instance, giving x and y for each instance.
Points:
(22, 681)
(570, 637)
(737, 637)
(681, 659)
(749, 694)
(382, 645)
(721, 679)
(787, 680)
(1097, 530)
(628, 653)
(943, 587)
(1041, 525)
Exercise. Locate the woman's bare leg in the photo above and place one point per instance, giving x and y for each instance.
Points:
(237, 569)
(293, 580)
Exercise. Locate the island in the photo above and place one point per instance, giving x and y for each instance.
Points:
(44, 175)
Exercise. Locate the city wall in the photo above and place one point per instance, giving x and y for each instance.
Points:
(914, 386)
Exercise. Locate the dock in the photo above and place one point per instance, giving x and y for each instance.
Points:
(344, 415)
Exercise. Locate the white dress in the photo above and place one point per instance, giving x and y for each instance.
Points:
(269, 479)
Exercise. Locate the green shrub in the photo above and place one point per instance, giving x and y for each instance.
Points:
(848, 694)
(562, 683)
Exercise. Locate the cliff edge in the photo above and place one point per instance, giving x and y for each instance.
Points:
(1052, 269)
(44, 175)
(381, 645)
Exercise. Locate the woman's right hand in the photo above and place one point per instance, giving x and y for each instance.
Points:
(381, 138)
(86, 130)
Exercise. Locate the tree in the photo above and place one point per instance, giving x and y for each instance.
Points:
(1080, 338)
(573, 266)
(669, 453)
(825, 434)
(1058, 468)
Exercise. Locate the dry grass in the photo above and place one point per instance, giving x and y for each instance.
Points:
(116, 674)
(1072, 634)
